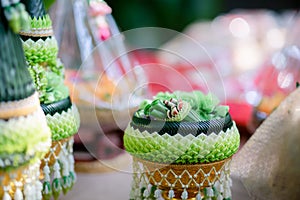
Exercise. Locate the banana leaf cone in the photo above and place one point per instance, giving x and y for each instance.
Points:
(47, 71)
(24, 135)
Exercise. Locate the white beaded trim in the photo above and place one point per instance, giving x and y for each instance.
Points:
(40, 147)
(21, 124)
(38, 32)
(63, 167)
(219, 188)
(28, 186)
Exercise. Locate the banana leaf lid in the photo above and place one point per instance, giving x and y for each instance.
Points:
(15, 80)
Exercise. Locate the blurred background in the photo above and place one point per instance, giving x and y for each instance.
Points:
(177, 14)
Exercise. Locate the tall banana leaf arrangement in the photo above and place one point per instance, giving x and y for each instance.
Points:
(24, 135)
(47, 71)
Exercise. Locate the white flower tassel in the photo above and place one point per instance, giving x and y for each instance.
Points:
(137, 194)
(71, 168)
(146, 193)
(217, 185)
(184, 195)
(147, 187)
(66, 169)
(56, 184)
(1, 163)
(28, 187)
(157, 193)
(18, 193)
(227, 182)
(37, 185)
(56, 169)
(132, 193)
(230, 182)
(47, 191)
(198, 196)
(171, 194)
(209, 192)
(28, 191)
(227, 193)
(66, 179)
(220, 197)
(221, 188)
(46, 171)
(226, 188)
(6, 195)
(38, 190)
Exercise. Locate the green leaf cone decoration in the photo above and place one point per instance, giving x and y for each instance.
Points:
(72, 178)
(203, 107)
(182, 149)
(56, 188)
(43, 22)
(47, 191)
(42, 51)
(15, 81)
(65, 124)
(185, 114)
(66, 184)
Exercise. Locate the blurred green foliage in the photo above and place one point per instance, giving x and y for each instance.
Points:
(48, 3)
(173, 14)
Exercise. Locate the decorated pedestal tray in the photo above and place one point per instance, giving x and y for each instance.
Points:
(24, 135)
(47, 71)
(182, 144)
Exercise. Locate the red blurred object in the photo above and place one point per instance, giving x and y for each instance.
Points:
(103, 33)
(240, 112)
(163, 77)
